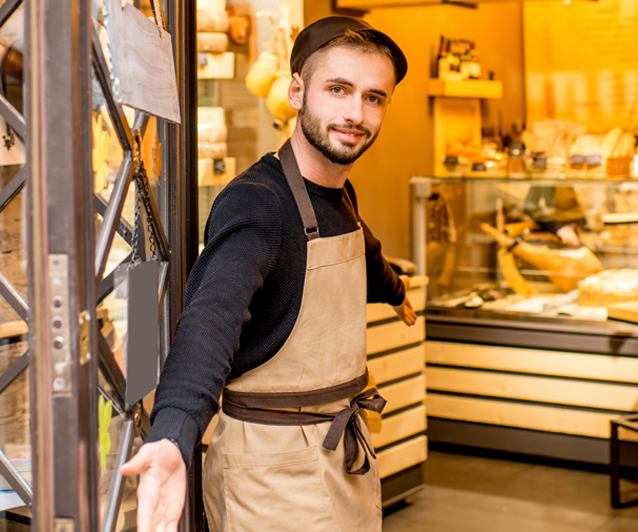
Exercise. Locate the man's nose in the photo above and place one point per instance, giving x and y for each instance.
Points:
(354, 111)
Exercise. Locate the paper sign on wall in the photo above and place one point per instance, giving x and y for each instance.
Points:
(142, 62)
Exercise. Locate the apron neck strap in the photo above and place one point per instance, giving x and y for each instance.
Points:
(299, 191)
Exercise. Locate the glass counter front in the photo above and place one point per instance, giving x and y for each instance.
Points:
(541, 250)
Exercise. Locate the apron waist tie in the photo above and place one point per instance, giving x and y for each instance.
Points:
(347, 422)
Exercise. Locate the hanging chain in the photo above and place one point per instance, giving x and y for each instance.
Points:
(142, 197)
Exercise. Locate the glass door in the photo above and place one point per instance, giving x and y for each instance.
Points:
(109, 250)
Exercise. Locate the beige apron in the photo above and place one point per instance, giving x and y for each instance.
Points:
(290, 452)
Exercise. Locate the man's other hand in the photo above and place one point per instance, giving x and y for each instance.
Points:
(162, 488)
(405, 310)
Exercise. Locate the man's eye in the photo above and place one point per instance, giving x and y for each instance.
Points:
(336, 90)
(374, 99)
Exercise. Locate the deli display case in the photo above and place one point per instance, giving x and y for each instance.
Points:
(532, 310)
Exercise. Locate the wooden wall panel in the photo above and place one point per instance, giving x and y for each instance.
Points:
(383, 311)
(561, 391)
(397, 365)
(402, 456)
(403, 394)
(401, 426)
(393, 335)
(603, 367)
(518, 415)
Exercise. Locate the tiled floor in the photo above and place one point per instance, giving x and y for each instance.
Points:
(478, 494)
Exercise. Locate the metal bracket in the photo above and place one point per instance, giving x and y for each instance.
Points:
(60, 323)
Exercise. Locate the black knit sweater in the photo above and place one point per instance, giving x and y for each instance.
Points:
(244, 293)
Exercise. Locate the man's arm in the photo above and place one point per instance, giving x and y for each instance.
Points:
(245, 229)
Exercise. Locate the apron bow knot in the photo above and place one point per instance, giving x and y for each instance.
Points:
(348, 423)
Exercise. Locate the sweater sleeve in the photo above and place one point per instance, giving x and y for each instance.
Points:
(244, 231)
(384, 285)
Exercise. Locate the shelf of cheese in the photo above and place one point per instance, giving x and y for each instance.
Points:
(216, 65)
(473, 88)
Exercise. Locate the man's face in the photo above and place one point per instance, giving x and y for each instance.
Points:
(345, 101)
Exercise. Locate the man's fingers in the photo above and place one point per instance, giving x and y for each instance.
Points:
(140, 462)
(172, 526)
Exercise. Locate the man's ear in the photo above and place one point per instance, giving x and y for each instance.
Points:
(296, 91)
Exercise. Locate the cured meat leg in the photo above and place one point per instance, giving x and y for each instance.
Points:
(564, 268)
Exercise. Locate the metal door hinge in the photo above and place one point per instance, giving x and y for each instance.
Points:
(60, 326)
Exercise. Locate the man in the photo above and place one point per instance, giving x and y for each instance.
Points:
(275, 317)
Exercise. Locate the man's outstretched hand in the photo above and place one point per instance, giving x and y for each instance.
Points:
(162, 488)
(405, 310)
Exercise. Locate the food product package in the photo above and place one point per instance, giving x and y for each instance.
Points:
(212, 150)
(212, 41)
(212, 21)
(211, 133)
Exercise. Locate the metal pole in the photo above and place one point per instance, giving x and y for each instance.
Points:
(62, 324)
(180, 165)
(40, 374)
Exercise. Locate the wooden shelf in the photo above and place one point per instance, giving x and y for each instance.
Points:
(473, 88)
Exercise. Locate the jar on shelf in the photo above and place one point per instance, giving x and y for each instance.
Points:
(516, 160)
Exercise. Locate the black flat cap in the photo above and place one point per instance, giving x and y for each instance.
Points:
(323, 31)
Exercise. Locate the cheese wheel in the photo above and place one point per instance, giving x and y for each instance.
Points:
(212, 41)
(211, 133)
(212, 150)
(262, 74)
(212, 20)
(277, 101)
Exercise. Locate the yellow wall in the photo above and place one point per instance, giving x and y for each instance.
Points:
(404, 147)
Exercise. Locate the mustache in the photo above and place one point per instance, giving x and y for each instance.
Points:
(350, 126)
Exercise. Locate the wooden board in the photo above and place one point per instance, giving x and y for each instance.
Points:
(538, 361)
(456, 120)
(403, 393)
(397, 365)
(402, 456)
(473, 88)
(383, 311)
(11, 329)
(547, 390)
(401, 426)
(581, 63)
(393, 335)
(207, 176)
(533, 417)
(624, 311)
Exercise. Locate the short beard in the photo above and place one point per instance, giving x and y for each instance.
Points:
(320, 140)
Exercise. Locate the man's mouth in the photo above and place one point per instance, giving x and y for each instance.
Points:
(350, 136)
